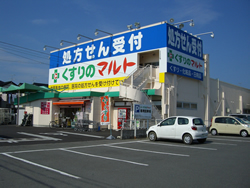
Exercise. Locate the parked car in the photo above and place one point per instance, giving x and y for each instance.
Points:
(229, 125)
(183, 128)
(244, 116)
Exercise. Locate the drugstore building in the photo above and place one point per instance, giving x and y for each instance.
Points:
(157, 66)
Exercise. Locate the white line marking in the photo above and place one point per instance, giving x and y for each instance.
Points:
(29, 151)
(229, 140)
(42, 166)
(55, 134)
(108, 158)
(173, 145)
(39, 136)
(79, 134)
(75, 147)
(23, 140)
(157, 152)
(225, 144)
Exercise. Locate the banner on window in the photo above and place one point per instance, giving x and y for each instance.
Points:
(45, 108)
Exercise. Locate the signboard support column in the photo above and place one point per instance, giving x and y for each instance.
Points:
(135, 123)
(110, 137)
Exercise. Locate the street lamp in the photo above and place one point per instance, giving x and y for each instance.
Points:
(79, 37)
(137, 25)
(96, 32)
(45, 47)
(62, 41)
(130, 26)
(181, 24)
(212, 34)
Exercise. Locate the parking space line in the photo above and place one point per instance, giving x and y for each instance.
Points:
(173, 145)
(79, 134)
(53, 149)
(39, 136)
(23, 140)
(41, 166)
(156, 152)
(108, 158)
(229, 140)
(225, 144)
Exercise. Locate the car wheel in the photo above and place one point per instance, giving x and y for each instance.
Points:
(152, 136)
(187, 139)
(202, 140)
(244, 133)
(214, 132)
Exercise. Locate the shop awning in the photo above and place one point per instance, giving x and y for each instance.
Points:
(67, 103)
(153, 92)
(24, 88)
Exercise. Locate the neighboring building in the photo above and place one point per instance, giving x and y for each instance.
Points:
(6, 100)
(7, 109)
(157, 65)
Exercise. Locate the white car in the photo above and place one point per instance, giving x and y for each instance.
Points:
(183, 128)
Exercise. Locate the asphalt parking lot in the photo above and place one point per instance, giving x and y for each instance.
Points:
(11, 135)
(223, 161)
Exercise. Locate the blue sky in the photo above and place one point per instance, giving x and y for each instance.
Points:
(32, 24)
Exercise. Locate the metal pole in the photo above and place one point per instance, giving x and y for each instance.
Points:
(18, 101)
(135, 128)
(110, 136)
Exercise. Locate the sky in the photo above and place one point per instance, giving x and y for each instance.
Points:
(26, 26)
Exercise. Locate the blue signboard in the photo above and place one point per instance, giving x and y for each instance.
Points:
(126, 43)
(183, 42)
(184, 54)
(142, 111)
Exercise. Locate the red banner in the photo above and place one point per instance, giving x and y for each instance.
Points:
(105, 110)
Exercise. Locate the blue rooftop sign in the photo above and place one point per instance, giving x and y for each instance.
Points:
(184, 54)
(126, 43)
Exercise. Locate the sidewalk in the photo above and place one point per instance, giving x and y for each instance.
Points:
(8, 128)
(117, 134)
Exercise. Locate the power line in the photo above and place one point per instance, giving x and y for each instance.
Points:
(9, 48)
(25, 57)
(23, 48)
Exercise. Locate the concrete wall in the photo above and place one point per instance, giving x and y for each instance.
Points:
(235, 98)
(189, 91)
(39, 120)
(95, 114)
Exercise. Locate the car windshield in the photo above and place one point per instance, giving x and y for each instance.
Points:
(247, 121)
(241, 120)
(198, 121)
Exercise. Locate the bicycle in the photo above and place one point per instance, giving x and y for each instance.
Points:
(82, 125)
(55, 124)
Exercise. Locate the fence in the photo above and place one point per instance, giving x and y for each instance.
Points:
(5, 116)
(140, 123)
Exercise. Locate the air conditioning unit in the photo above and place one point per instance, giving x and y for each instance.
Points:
(238, 111)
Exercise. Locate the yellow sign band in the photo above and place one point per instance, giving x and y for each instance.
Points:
(112, 82)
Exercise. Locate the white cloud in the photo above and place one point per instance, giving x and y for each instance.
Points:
(201, 12)
(43, 21)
